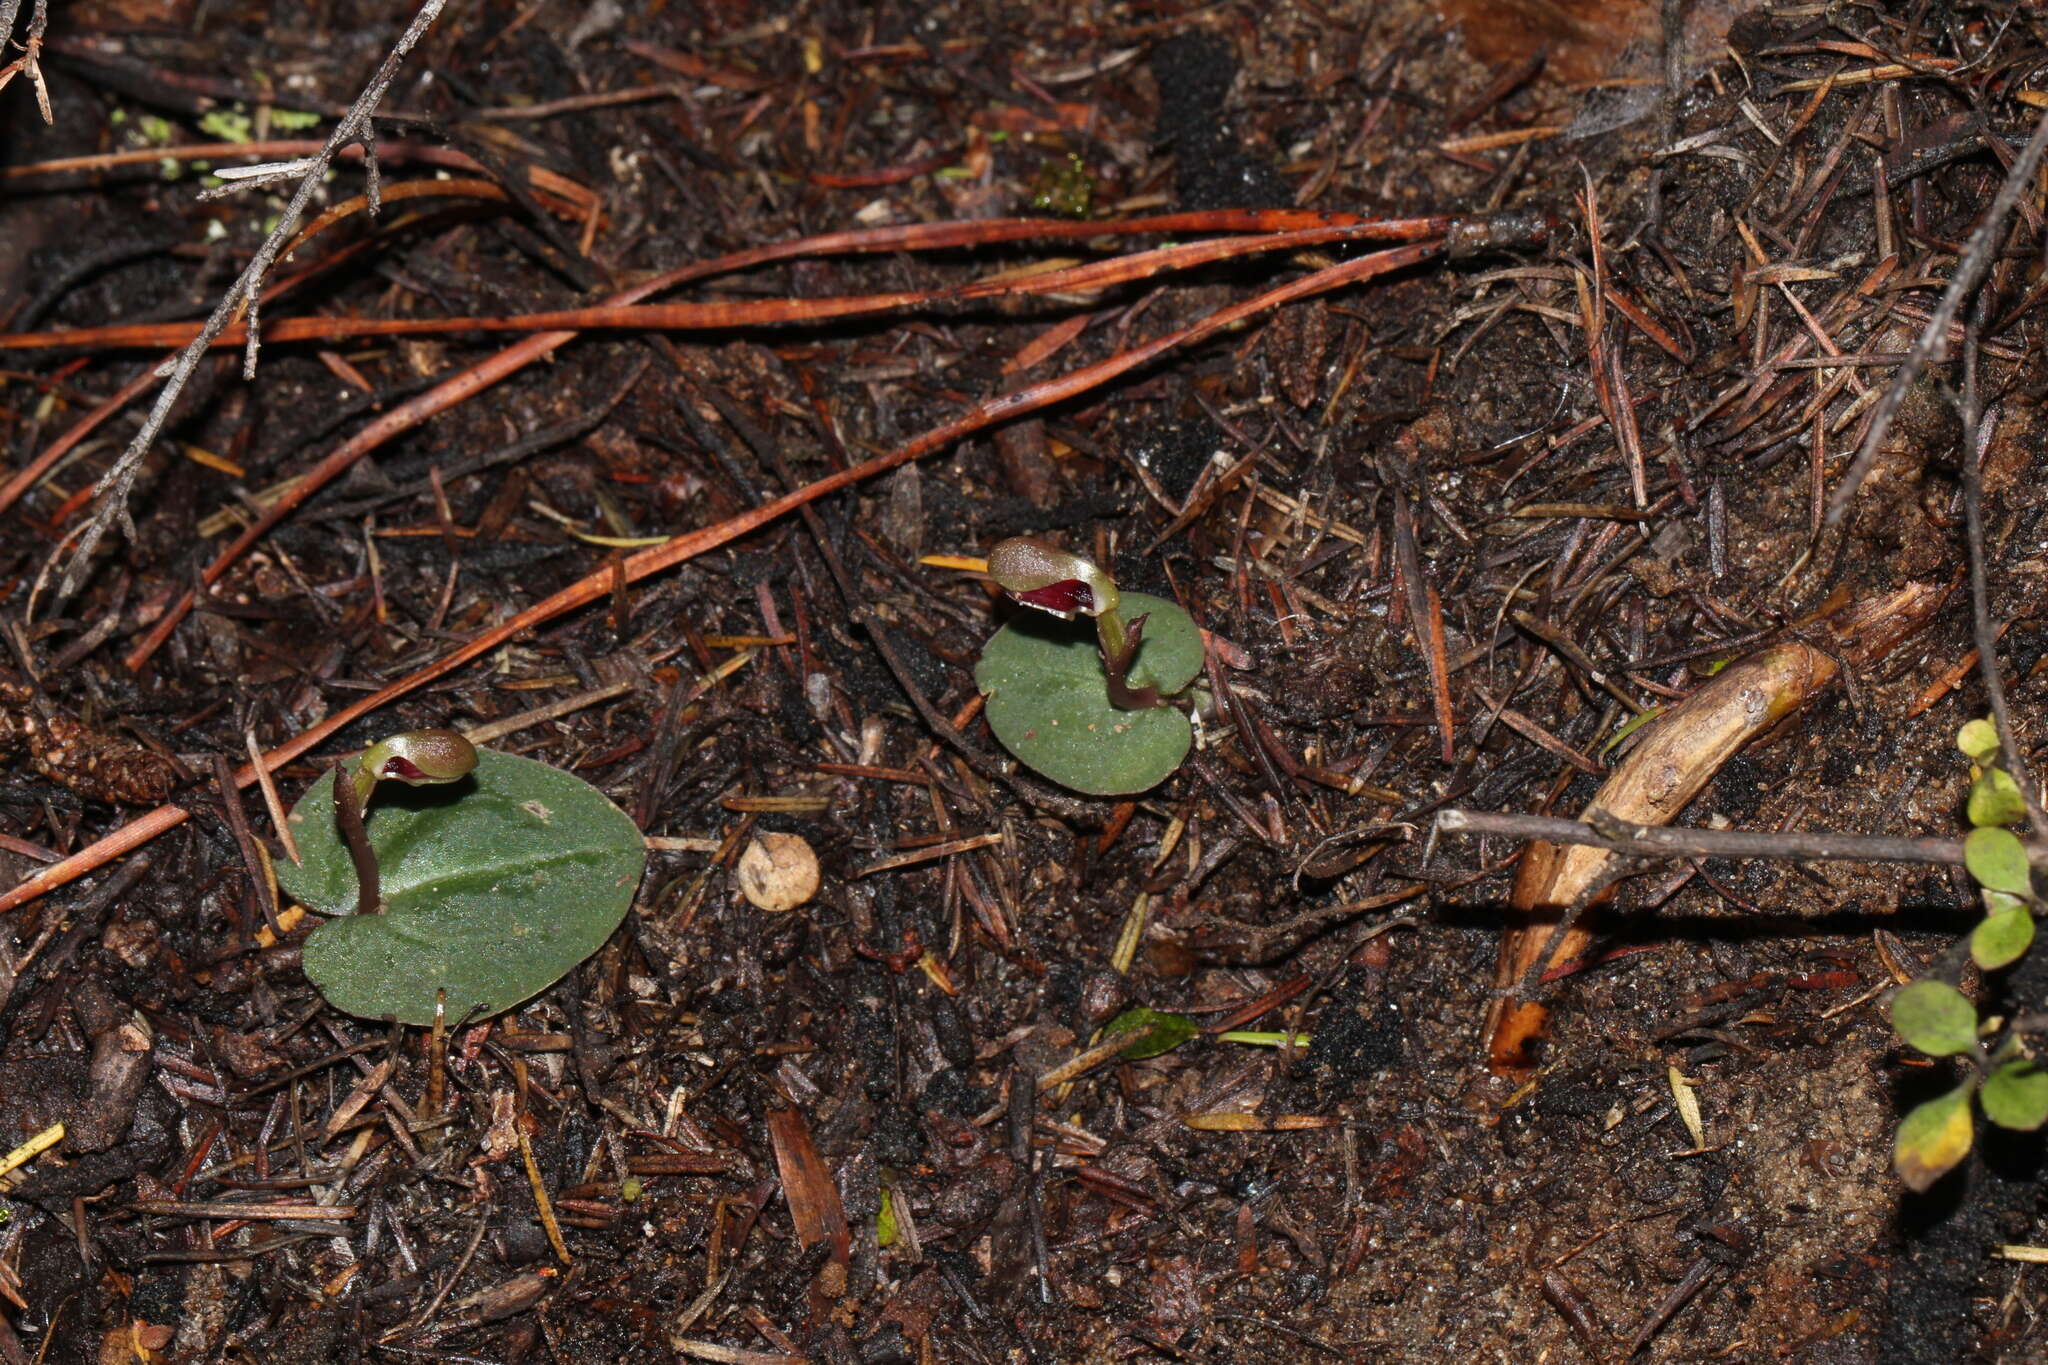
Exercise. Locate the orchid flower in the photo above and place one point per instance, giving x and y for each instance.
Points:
(1064, 583)
(417, 758)
(1051, 579)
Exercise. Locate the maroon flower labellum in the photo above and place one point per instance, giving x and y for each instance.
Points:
(404, 769)
(1063, 598)
(1051, 579)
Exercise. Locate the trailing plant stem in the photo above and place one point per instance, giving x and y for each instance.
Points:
(1976, 434)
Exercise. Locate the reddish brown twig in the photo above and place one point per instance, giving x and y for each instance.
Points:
(489, 371)
(283, 149)
(625, 312)
(34, 470)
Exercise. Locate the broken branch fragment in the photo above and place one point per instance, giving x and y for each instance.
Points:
(1677, 757)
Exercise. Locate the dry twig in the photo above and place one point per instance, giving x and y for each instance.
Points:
(1601, 830)
(30, 60)
(1978, 428)
(119, 481)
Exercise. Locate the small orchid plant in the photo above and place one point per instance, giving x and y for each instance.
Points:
(467, 899)
(1098, 714)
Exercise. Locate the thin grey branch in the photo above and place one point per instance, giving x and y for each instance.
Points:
(1978, 428)
(1669, 841)
(119, 482)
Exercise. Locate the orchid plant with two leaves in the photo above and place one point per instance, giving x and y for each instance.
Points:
(464, 881)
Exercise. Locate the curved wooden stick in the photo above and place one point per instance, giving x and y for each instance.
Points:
(1676, 758)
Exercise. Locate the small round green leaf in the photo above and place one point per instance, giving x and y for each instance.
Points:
(1935, 1017)
(2002, 936)
(1933, 1138)
(1995, 799)
(1979, 739)
(1998, 860)
(1152, 1032)
(2016, 1095)
(494, 887)
(1048, 699)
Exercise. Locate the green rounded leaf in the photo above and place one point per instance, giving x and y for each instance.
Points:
(1048, 699)
(1933, 1138)
(1935, 1017)
(494, 887)
(1997, 859)
(2016, 1095)
(1979, 739)
(1154, 1032)
(2002, 937)
(1995, 799)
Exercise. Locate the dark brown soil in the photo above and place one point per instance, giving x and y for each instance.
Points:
(1398, 504)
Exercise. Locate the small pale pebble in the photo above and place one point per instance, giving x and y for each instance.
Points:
(778, 872)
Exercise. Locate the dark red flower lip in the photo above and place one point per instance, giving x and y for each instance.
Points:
(404, 769)
(1063, 598)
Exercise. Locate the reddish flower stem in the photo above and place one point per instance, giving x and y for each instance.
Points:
(1119, 647)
